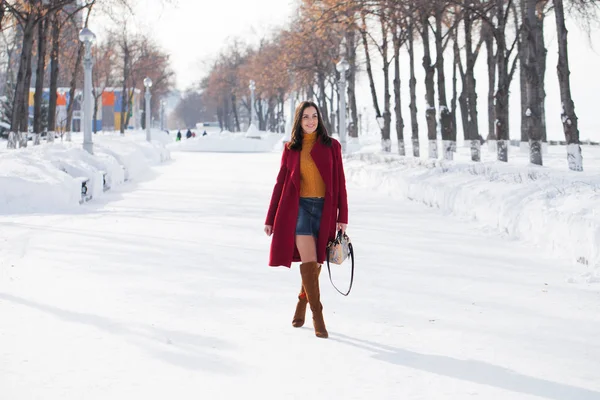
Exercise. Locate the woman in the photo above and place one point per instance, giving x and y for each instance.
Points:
(308, 206)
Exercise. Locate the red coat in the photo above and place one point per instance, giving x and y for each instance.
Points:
(285, 202)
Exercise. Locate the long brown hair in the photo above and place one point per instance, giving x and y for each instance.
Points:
(296, 140)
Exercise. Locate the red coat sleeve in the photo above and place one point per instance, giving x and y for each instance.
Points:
(276, 196)
(343, 196)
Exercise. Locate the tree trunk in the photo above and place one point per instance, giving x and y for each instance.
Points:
(454, 93)
(445, 116)
(398, 101)
(72, 88)
(462, 99)
(95, 117)
(351, 52)
(414, 122)
(235, 113)
(541, 59)
(323, 101)
(126, 73)
(365, 42)
(2, 12)
(131, 93)
(429, 90)
(491, 64)
(386, 142)
(39, 83)
(522, 73)
(502, 94)
(471, 91)
(220, 118)
(568, 116)
(21, 98)
(26, 86)
(335, 122)
(54, 69)
(532, 115)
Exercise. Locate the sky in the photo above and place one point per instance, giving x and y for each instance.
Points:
(195, 31)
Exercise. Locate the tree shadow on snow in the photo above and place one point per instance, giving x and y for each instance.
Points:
(182, 349)
(470, 370)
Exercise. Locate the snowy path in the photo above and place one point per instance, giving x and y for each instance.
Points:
(161, 291)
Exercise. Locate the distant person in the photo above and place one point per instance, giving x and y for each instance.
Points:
(302, 220)
(204, 133)
(188, 134)
(178, 136)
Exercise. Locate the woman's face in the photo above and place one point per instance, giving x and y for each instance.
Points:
(310, 120)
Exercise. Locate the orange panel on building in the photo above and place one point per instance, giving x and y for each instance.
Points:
(108, 98)
(61, 99)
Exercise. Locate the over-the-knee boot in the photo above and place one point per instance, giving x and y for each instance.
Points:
(300, 314)
(310, 280)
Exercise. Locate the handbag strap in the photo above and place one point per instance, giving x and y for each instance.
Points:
(351, 273)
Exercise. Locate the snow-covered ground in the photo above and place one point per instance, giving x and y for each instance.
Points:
(158, 288)
(549, 206)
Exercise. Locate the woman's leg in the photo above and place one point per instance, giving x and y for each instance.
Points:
(309, 269)
(307, 247)
(308, 252)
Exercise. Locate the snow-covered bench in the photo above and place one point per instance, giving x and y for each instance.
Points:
(105, 184)
(85, 193)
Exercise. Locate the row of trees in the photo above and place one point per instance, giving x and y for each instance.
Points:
(300, 61)
(43, 34)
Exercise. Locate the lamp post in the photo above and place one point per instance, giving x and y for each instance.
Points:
(290, 121)
(253, 128)
(148, 85)
(342, 67)
(252, 88)
(162, 115)
(88, 38)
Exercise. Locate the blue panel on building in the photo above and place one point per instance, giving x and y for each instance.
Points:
(118, 102)
(98, 125)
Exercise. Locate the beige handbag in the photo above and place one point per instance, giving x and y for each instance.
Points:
(338, 251)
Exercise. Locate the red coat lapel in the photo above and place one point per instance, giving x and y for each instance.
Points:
(294, 168)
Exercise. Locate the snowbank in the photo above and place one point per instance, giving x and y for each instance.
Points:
(227, 142)
(555, 209)
(47, 178)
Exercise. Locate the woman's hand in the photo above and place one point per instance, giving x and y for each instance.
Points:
(341, 227)
(269, 230)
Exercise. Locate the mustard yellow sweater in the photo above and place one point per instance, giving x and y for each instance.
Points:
(311, 182)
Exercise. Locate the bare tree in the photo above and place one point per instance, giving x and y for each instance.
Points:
(442, 17)
(28, 15)
(39, 81)
(532, 49)
(411, 23)
(398, 39)
(505, 74)
(568, 116)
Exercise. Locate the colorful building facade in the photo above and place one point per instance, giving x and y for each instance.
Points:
(109, 109)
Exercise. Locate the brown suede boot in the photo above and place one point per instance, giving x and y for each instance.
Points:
(310, 280)
(300, 314)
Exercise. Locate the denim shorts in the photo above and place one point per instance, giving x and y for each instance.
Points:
(309, 216)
